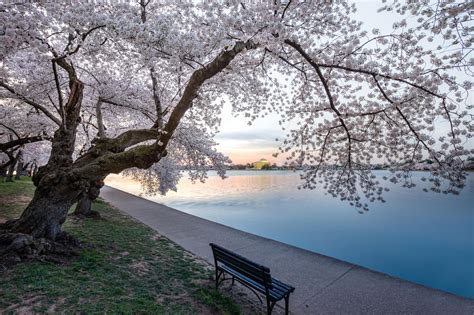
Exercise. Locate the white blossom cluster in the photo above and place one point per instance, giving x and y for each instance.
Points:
(347, 98)
(449, 24)
(192, 151)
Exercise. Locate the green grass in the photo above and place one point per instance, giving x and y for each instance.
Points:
(14, 196)
(125, 268)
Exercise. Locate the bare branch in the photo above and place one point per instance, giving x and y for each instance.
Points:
(18, 142)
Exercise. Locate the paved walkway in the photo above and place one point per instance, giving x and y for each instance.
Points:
(323, 284)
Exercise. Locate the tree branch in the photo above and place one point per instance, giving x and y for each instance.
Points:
(316, 67)
(58, 88)
(32, 103)
(11, 129)
(21, 141)
(417, 136)
(156, 99)
(196, 81)
(109, 156)
(373, 73)
(104, 146)
(147, 114)
(100, 122)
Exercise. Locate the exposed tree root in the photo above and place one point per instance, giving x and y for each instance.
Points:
(92, 214)
(4, 227)
(19, 247)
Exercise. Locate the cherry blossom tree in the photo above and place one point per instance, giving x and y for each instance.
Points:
(16, 135)
(138, 87)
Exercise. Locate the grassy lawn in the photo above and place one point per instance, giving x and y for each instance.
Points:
(125, 268)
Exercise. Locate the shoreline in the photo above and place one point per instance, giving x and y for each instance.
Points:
(387, 239)
(319, 279)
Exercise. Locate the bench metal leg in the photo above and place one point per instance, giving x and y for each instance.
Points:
(218, 276)
(287, 302)
(270, 306)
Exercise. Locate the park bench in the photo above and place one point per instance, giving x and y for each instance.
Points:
(252, 275)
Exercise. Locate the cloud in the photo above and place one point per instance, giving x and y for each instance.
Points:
(246, 135)
(247, 144)
(247, 141)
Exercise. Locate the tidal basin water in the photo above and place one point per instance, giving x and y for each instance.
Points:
(426, 238)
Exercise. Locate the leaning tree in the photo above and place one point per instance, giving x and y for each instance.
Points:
(139, 87)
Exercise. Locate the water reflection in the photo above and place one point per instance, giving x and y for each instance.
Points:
(423, 237)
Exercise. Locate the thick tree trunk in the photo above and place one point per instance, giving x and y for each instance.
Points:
(84, 205)
(10, 171)
(25, 170)
(3, 174)
(37, 233)
(32, 169)
(58, 187)
(48, 209)
(19, 166)
(61, 182)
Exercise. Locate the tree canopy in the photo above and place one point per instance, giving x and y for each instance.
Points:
(139, 87)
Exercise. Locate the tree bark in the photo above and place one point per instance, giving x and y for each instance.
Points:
(58, 187)
(20, 141)
(19, 165)
(83, 207)
(48, 209)
(3, 174)
(10, 171)
(33, 170)
(62, 182)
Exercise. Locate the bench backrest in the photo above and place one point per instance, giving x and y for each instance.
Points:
(242, 265)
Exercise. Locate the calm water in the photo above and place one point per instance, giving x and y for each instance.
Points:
(427, 238)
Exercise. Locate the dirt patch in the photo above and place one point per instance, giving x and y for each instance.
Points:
(141, 267)
(164, 298)
(248, 301)
(26, 306)
(2, 220)
(56, 306)
(156, 237)
(18, 199)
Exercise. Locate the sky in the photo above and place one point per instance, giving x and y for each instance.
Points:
(247, 144)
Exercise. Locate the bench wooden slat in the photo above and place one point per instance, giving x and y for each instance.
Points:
(253, 272)
(275, 294)
(219, 249)
(281, 286)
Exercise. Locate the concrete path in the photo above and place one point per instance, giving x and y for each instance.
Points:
(323, 284)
